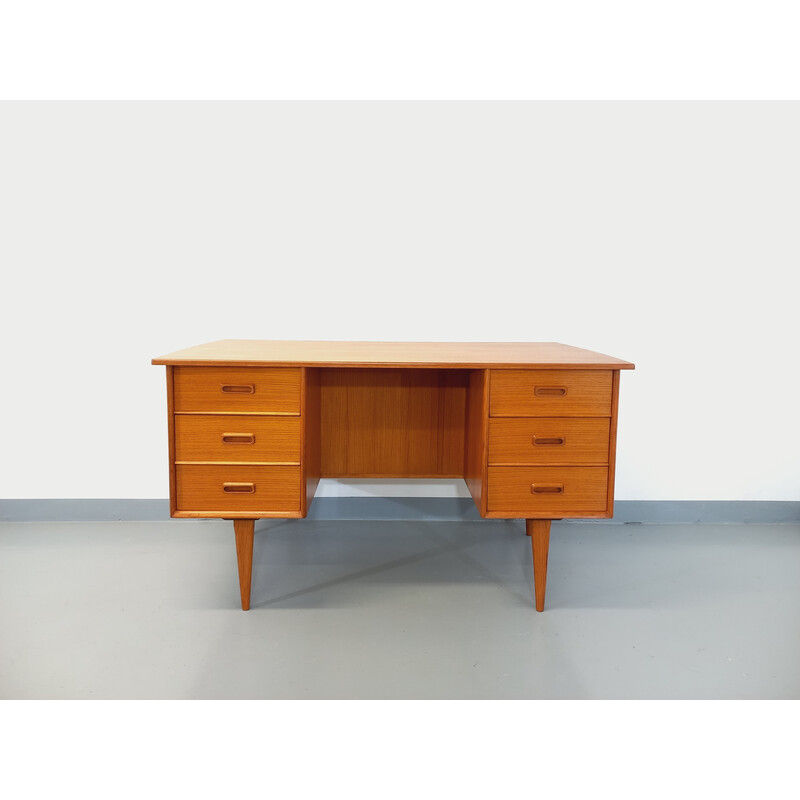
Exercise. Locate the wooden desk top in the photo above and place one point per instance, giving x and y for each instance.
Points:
(456, 355)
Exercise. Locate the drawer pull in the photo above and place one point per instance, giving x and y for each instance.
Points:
(239, 438)
(551, 440)
(247, 388)
(239, 487)
(550, 391)
(547, 488)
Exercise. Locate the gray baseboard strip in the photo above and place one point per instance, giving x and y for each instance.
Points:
(412, 508)
(88, 510)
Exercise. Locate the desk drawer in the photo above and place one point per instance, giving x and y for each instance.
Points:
(237, 438)
(240, 389)
(204, 487)
(550, 393)
(548, 440)
(548, 489)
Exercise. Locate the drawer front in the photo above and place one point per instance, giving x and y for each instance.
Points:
(241, 389)
(237, 488)
(556, 489)
(550, 393)
(237, 438)
(548, 440)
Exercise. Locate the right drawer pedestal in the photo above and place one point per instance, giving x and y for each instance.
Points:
(550, 443)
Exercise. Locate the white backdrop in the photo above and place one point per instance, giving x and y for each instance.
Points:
(662, 233)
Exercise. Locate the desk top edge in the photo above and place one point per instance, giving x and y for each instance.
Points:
(443, 355)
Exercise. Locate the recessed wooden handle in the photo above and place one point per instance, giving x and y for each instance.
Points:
(246, 388)
(548, 440)
(239, 438)
(239, 487)
(550, 391)
(547, 488)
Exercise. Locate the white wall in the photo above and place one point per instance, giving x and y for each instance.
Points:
(662, 233)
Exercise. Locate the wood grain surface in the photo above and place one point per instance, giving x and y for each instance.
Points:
(548, 440)
(250, 352)
(243, 530)
(311, 435)
(476, 440)
(539, 531)
(222, 438)
(405, 423)
(213, 389)
(584, 489)
(550, 393)
(202, 488)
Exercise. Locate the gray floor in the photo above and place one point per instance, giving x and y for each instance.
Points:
(398, 610)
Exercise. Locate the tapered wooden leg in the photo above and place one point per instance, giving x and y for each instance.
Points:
(243, 528)
(539, 531)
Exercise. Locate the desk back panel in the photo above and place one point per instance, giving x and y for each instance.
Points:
(392, 423)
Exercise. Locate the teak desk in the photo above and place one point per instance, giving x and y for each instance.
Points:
(254, 425)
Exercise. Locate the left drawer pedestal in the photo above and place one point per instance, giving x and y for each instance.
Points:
(236, 449)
